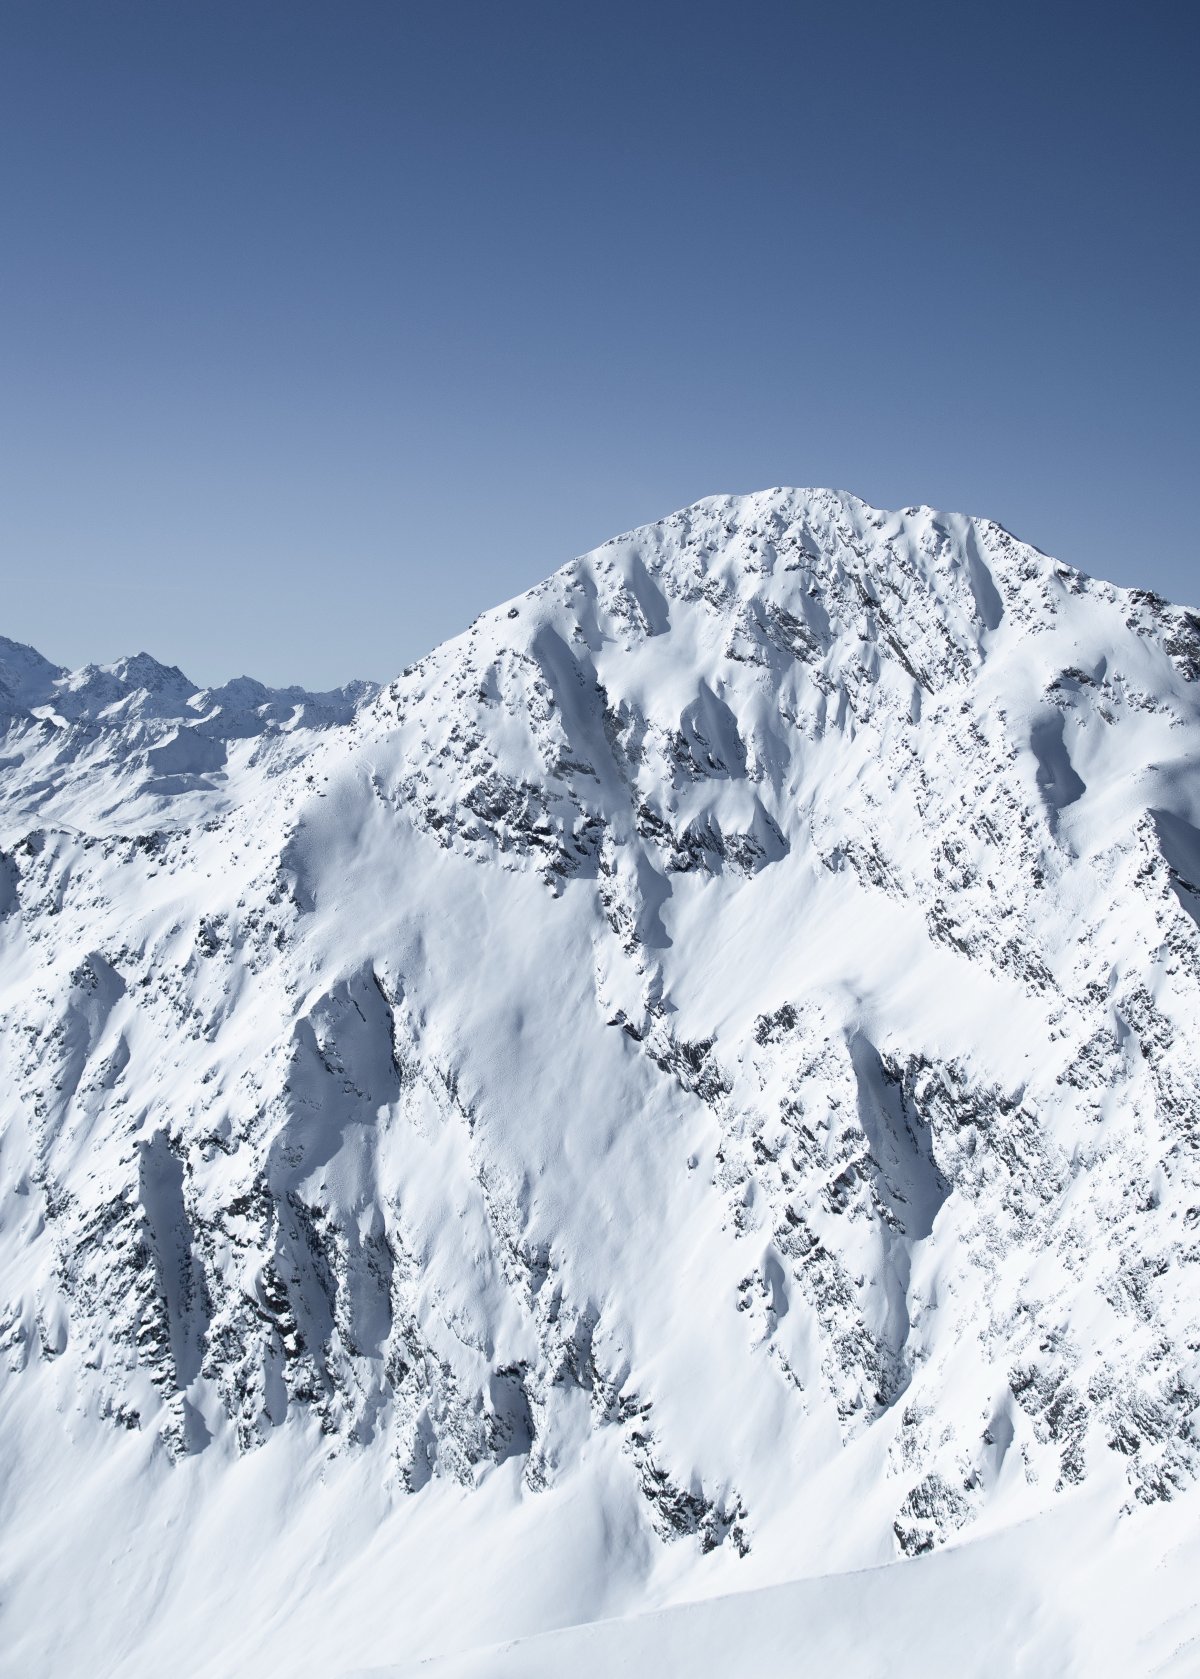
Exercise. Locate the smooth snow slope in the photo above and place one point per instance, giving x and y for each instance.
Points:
(1041, 1598)
(692, 1087)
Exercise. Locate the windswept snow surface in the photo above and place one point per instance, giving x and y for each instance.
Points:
(1055, 1596)
(676, 1119)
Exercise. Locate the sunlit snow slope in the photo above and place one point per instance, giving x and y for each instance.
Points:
(694, 1086)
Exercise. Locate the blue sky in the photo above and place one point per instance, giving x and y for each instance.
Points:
(323, 327)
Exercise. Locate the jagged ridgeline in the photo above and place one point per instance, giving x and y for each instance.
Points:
(726, 1023)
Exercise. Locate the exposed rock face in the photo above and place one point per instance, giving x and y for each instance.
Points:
(736, 1011)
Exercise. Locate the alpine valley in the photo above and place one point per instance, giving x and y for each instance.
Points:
(664, 1141)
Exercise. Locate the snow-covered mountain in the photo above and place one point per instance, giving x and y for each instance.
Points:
(694, 1086)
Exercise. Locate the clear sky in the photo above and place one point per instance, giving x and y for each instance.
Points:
(325, 325)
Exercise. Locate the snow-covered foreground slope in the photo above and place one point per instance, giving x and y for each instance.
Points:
(693, 1087)
(1055, 1596)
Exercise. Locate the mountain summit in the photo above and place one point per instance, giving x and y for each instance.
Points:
(693, 1086)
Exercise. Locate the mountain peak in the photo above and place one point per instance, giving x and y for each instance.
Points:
(695, 1083)
(143, 671)
(26, 678)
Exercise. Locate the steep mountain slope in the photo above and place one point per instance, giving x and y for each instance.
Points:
(693, 1085)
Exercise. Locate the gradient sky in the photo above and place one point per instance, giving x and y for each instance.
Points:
(324, 326)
